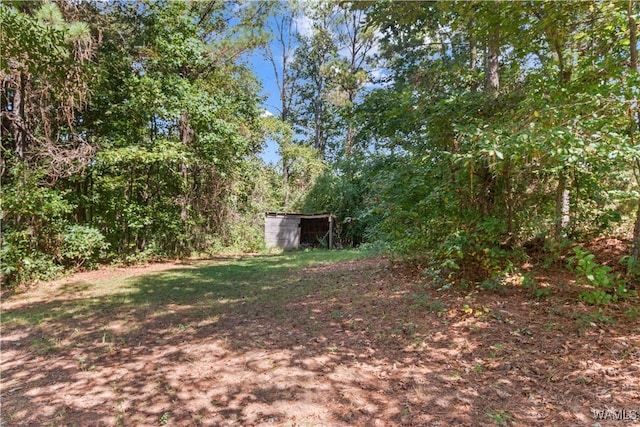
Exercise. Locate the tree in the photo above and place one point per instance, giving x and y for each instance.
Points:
(315, 54)
(492, 168)
(279, 51)
(332, 67)
(355, 41)
(145, 148)
(184, 119)
(45, 68)
(44, 86)
(633, 65)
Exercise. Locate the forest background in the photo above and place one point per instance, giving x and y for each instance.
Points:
(460, 135)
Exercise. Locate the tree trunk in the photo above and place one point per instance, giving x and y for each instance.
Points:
(563, 195)
(81, 209)
(349, 141)
(486, 178)
(492, 83)
(473, 52)
(319, 139)
(19, 131)
(563, 209)
(285, 181)
(633, 51)
(186, 137)
(635, 248)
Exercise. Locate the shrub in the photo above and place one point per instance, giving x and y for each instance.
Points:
(82, 245)
(608, 287)
(21, 265)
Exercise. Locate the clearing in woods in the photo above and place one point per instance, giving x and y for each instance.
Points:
(313, 339)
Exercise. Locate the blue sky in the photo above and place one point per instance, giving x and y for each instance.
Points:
(264, 71)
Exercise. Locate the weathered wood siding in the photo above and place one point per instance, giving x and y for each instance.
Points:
(282, 232)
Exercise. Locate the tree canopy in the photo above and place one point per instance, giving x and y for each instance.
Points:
(454, 131)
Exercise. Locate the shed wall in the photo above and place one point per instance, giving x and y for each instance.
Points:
(282, 232)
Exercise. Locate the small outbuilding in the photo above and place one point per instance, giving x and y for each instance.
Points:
(296, 230)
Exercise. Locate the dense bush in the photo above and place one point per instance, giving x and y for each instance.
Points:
(82, 245)
(21, 265)
(346, 192)
(33, 219)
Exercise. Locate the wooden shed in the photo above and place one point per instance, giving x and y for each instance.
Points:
(296, 230)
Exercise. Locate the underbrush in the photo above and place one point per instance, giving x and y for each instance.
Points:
(603, 277)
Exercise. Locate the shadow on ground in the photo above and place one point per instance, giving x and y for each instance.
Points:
(277, 340)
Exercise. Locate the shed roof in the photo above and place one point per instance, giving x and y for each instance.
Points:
(298, 215)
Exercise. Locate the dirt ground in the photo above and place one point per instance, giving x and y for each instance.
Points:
(371, 343)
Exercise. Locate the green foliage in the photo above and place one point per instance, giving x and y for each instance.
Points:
(164, 418)
(583, 263)
(157, 162)
(33, 219)
(633, 313)
(24, 266)
(471, 173)
(608, 287)
(633, 266)
(42, 41)
(532, 286)
(445, 159)
(593, 320)
(500, 417)
(304, 167)
(83, 245)
(345, 191)
(179, 121)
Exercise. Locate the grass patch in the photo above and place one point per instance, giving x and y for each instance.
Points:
(501, 417)
(205, 287)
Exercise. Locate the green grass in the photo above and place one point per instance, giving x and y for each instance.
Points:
(500, 417)
(204, 289)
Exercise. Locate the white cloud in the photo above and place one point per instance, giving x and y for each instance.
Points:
(304, 25)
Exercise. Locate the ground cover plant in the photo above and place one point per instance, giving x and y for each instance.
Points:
(314, 338)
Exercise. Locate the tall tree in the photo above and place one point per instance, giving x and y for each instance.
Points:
(633, 65)
(496, 164)
(332, 65)
(44, 73)
(355, 41)
(279, 51)
(312, 67)
(189, 118)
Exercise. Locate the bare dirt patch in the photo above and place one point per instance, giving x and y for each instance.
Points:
(358, 343)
